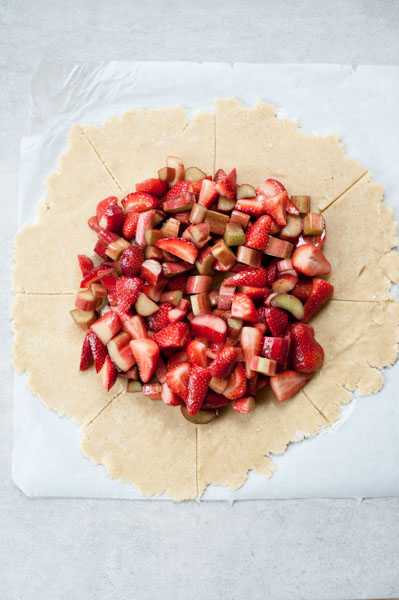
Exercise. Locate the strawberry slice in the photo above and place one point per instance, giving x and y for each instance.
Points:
(224, 362)
(303, 288)
(226, 186)
(251, 344)
(139, 202)
(146, 354)
(99, 351)
(275, 206)
(174, 335)
(288, 383)
(277, 320)
(177, 379)
(270, 188)
(108, 374)
(178, 283)
(127, 291)
(256, 236)
(220, 174)
(135, 326)
(271, 272)
(310, 261)
(176, 358)
(86, 358)
(306, 354)
(131, 260)
(208, 193)
(251, 206)
(211, 327)
(100, 248)
(197, 388)
(130, 225)
(237, 384)
(214, 400)
(104, 204)
(250, 277)
(169, 396)
(320, 293)
(179, 247)
(291, 208)
(242, 307)
(112, 218)
(181, 187)
(159, 319)
(85, 264)
(196, 352)
(93, 224)
(255, 293)
(154, 187)
(244, 405)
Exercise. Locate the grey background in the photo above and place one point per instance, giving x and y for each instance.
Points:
(67, 549)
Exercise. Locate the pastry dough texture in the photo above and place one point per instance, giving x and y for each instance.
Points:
(149, 444)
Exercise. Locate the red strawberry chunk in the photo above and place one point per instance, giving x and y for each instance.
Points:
(310, 261)
(291, 208)
(127, 291)
(251, 344)
(86, 358)
(275, 206)
(237, 384)
(112, 218)
(244, 405)
(178, 283)
(174, 335)
(155, 187)
(220, 174)
(131, 260)
(224, 362)
(242, 307)
(251, 206)
(196, 352)
(226, 186)
(208, 193)
(271, 273)
(169, 396)
(197, 388)
(139, 202)
(270, 188)
(288, 383)
(108, 374)
(320, 293)
(85, 264)
(179, 247)
(214, 400)
(146, 354)
(306, 353)
(250, 277)
(277, 321)
(104, 204)
(303, 288)
(177, 379)
(93, 224)
(159, 319)
(99, 351)
(130, 225)
(178, 189)
(256, 236)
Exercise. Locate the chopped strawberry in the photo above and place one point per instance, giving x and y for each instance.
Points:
(277, 321)
(127, 291)
(255, 293)
(178, 189)
(208, 193)
(197, 185)
(224, 362)
(291, 208)
(196, 352)
(214, 400)
(85, 264)
(108, 374)
(104, 204)
(288, 383)
(146, 354)
(86, 358)
(161, 370)
(303, 288)
(131, 260)
(306, 354)
(220, 174)
(310, 261)
(226, 186)
(178, 283)
(154, 187)
(252, 385)
(100, 249)
(270, 188)
(179, 247)
(174, 335)
(256, 236)
(176, 358)
(260, 315)
(211, 327)
(275, 206)
(276, 349)
(112, 218)
(320, 293)
(135, 326)
(159, 319)
(177, 379)
(251, 206)
(242, 307)
(93, 224)
(237, 384)
(139, 202)
(244, 405)
(251, 343)
(271, 273)
(99, 351)
(169, 396)
(248, 276)
(130, 225)
(197, 388)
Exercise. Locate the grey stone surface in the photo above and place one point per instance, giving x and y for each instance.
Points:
(72, 549)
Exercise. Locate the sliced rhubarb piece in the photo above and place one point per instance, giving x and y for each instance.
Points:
(251, 343)
(213, 298)
(320, 293)
(183, 249)
(120, 351)
(171, 269)
(200, 304)
(285, 282)
(173, 162)
(234, 234)
(145, 223)
(292, 229)
(151, 271)
(249, 256)
(114, 249)
(246, 191)
(226, 186)
(171, 228)
(218, 385)
(242, 307)
(266, 366)
(194, 174)
(240, 218)
(278, 248)
(223, 254)
(177, 205)
(211, 327)
(151, 236)
(287, 384)
(135, 326)
(152, 391)
(234, 327)
(217, 222)
(198, 284)
(244, 405)
(196, 352)
(290, 303)
(155, 291)
(146, 354)
(310, 261)
(108, 374)
(107, 326)
(313, 224)
(139, 202)
(302, 203)
(205, 261)
(198, 214)
(237, 384)
(226, 295)
(134, 387)
(98, 290)
(153, 253)
(167, 174)
(202, 417)
(83, 318)
(132, 373)
(145, 306)
(85, 300)
(225, 205)
(172, 297)
(276, 349)
(169, 396)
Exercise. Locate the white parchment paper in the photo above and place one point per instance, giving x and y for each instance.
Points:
(357, 459)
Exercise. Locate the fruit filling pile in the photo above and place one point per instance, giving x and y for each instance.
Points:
(204, 291)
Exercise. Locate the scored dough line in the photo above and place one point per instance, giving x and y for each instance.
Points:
(323, 416)
(103, 408)
(345, 191)
(45, 293)
(101, 159)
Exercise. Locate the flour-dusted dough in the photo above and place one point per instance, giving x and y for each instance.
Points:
(47, 346)
(146, 443)
(134, 146)
(45, 253)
